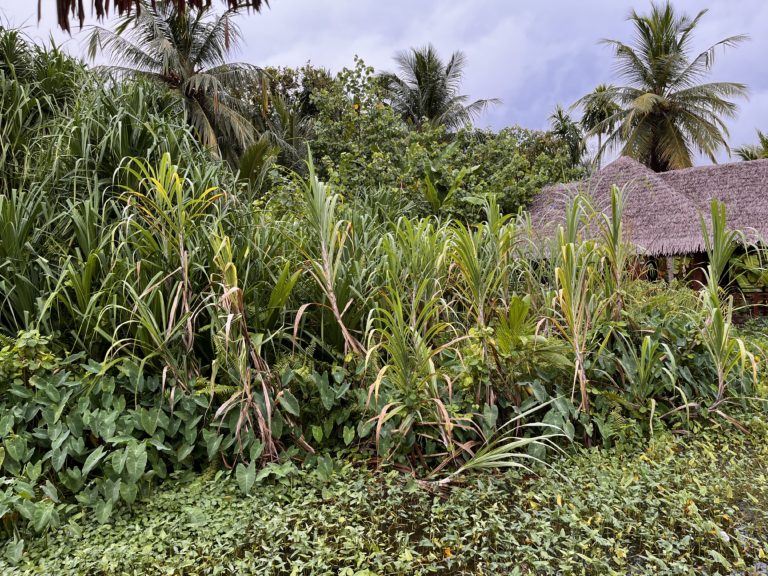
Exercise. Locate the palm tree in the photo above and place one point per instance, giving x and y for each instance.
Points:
(65, 8)
(427, 89)
(186, 52)
(666, 113)
(568, 132)
(754, 151)
(599, 116)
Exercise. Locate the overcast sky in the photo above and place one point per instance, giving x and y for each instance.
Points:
(532, 54)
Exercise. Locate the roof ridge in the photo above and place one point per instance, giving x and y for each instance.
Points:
(719, 166)
(625, 163)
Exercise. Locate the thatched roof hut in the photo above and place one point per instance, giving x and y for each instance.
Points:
(662, 212)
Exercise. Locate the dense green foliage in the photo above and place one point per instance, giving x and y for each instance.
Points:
(357, 285)
(686, 506)
(368, 153)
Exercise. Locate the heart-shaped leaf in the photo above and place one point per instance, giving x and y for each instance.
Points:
(289, 402)
(136, 461)
(93, 459)
(246, 476)
(349, 435)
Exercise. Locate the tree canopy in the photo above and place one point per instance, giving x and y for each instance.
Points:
(76, 8)
(666, 112)
(427, 88)
(187, 52)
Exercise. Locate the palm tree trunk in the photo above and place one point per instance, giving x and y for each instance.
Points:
(599, 149)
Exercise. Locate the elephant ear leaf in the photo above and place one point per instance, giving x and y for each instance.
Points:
(246, 476)
(93, 459)
(14, 551)
(42, 516)
(103, 511)
(349, 435)
(289, 402)
(135, 461)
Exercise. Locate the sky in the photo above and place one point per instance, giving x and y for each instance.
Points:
(532, 54)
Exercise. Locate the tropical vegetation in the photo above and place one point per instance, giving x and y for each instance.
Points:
(427, 89)
(754, 151)
(75, 8)
(304, 330)
(666, 113)
(599, 118)
(674, 506)
(569, 132)
(185, 51)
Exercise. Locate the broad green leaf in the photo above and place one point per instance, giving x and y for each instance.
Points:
(16, 447)
(184, 451)
(263, 473)
(103, 510)
(289, 402)
(118, 460)
(257, 449)
(539, 392)
(24, 489)
(56, 444)
(324, 468)
(490, 415)
(246, 476)
(33, 471)
(327, 394)
(50, 491)
(93, 459)
(41, 517)
(364, 427)
(6, 425)
(148, 420)
(349, 435)
(128, 492)
(212, 442)
(14, 551)
(112, 490)
(136, 461)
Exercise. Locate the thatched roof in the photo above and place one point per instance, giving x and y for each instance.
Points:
(741, 186)
(662, 213)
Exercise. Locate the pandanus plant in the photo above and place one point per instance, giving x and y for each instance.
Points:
(579, 300)
(728, 352)
(616, 251)
(409, 336)
(324, 251)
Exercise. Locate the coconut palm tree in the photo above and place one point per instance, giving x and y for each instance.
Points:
(666, 113)
(754, 151)
(568, 132)
(67, 8)
(427, 89)
(599, 116)
(185, 51)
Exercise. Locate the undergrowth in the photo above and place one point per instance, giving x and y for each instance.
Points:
(690, 505)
